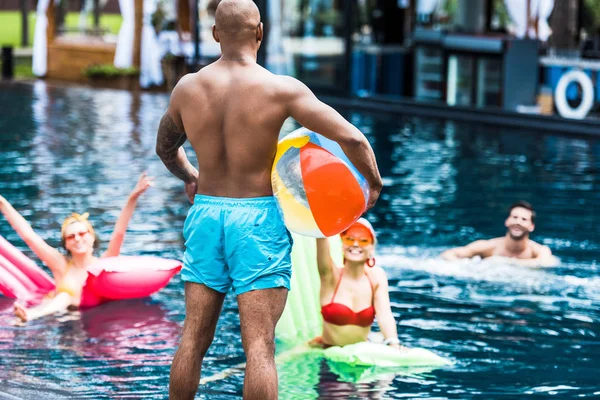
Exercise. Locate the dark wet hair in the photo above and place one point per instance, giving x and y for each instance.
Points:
(525, 205)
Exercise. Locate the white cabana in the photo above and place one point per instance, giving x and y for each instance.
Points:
(150, 68)
(40, 39)
(124, 51)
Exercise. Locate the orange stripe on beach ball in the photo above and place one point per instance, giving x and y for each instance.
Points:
(335, 198)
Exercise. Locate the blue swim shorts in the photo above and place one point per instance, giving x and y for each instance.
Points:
(240, 243)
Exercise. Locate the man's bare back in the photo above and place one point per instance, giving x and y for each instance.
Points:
(232, 115)
(231, 112)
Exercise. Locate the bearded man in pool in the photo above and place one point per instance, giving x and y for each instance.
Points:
(515, 245)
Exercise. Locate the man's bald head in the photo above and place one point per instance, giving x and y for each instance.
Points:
(237, 19)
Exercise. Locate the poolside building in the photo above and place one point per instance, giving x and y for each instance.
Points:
(505, 58)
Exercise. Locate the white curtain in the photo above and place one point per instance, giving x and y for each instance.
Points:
(517, 10)
(124, 51)
(544, 11)
(150, 70)
(168, 42)
(278, 61)
(40, 40)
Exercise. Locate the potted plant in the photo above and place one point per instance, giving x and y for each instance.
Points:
(109, 76)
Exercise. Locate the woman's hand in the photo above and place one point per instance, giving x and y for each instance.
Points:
(116, 240)
(143, 184)
(398, 346)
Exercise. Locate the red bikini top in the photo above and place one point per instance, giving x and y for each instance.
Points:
(340, 314)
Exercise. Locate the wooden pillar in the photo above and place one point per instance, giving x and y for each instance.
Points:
(183, 16)
(51, 28)
(137, 32)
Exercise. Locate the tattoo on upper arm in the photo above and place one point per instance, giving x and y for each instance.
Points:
(170, 138)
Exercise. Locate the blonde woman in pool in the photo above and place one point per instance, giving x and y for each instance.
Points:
(79, 241)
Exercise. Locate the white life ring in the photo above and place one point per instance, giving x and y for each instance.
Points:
(560, 95)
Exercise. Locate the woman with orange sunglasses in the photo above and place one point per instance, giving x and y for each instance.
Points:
(79, 241)
(352, 295)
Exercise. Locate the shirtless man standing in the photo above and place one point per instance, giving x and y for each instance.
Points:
(515, 245)
(231, 112)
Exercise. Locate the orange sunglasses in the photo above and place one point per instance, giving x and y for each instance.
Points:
(351, 240)
(72, 235)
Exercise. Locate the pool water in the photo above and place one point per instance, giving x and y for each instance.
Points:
(510, 331)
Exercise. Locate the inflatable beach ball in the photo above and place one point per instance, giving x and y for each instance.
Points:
(318, 190)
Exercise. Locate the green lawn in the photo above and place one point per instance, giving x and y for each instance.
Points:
(22, 68)
(10, 25)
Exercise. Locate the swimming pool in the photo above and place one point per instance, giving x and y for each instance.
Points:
(510, 331)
